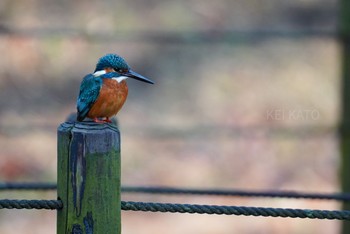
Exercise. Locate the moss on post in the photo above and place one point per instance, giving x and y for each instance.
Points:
(88, 180)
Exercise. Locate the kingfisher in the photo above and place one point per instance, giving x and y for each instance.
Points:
(103, 93)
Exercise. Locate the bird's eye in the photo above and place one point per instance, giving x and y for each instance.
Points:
(120, 70)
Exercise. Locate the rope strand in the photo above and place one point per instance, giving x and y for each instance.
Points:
(183, 191)
(31, 204)
(239, 193)
(27, 186)
(236, 210)
(191, 209)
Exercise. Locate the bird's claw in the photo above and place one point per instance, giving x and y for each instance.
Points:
(107, 120)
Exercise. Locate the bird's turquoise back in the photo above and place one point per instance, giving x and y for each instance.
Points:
(88, 94)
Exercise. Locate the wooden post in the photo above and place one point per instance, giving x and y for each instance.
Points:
(345, 116)
(88, 180)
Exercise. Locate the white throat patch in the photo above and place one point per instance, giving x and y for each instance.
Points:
(118, 79)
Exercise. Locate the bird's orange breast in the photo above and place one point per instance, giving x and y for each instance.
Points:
(111, 98)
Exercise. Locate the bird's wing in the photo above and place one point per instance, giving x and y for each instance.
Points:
(89, 91)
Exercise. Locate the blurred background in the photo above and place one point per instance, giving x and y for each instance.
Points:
(247, 96)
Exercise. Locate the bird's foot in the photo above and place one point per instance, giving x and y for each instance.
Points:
(96, 120)
(107, 120)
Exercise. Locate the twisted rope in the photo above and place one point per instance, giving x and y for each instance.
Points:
(192, 209)
(236, 210)
(31, 204)
(176, 191)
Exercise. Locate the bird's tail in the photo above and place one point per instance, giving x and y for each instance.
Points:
(80, 116)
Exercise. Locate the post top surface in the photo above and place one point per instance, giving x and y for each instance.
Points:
(87, 126)
(94, 137)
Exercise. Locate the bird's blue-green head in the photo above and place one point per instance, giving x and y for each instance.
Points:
(116, 64)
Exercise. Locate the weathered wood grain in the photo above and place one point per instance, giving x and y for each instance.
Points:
(88, 178)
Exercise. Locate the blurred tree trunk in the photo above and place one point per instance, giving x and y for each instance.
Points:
(345, 116)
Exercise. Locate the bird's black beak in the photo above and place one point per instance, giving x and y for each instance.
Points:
(134, 75)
